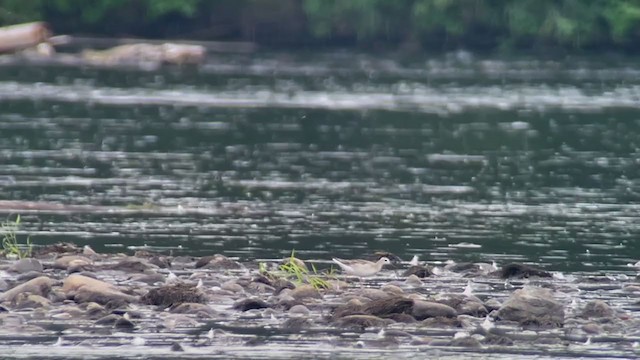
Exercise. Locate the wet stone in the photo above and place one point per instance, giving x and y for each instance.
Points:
(296, 324)
(299, 310)
(418, 271)
(304, 292)
(219, 262)
(192, 308)
(518, 271)
(26, 265)
(177, 347)
(149, 278)
(387, 306)
(133, 264)
(58, 248)
(38, 286)
(108, 319)
(250, 304)
(532, 306)
(86, 289)
(71, 261)
(466, 341)
(592, 328)
(24, 301)
(441, 322)
(426, 309)
(123, 323)
(29, 276)
(232, 286)
(362, 322)
(463, 304)
(173, 295)
(596, 309)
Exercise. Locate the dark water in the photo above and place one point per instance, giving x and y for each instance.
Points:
(332, 155)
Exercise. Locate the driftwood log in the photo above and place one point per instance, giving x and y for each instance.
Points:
(19, 37)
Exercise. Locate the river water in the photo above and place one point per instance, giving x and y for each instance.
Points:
(450, 157)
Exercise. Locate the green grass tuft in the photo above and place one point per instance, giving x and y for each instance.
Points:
(301, 275)
(10, 245)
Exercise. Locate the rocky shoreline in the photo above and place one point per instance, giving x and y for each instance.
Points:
(68, 301)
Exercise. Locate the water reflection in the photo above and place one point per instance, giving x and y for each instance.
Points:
(414, 159)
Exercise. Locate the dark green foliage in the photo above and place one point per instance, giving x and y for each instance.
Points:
(472, 23)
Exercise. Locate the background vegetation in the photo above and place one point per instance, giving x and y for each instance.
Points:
(410, 24)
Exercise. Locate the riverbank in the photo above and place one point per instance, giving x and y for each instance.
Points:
(413, 26)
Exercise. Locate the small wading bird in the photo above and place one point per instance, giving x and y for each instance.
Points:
(361, 268)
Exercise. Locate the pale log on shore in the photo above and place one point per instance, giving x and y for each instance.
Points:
(23, 36)
(209, 46)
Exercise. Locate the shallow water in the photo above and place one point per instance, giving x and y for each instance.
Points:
(449, 158)
(336, 154)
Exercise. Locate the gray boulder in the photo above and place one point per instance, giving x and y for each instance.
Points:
(532, 306)
(427, 309)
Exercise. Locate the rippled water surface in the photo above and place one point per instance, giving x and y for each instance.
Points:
(331, 154)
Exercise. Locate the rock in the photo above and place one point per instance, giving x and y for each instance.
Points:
(492, 304)
(596, 309)
(26, 265)
(29, 276)
(418, 271)
(304, 292)
(32, 301)
(518, 271)
(401, 318)
(173, 295)
(532, 306)
(133, 264)
(286, 302)
(108, 320)
(374, 294)
(299, 310)
(67, 261)
(95, 310)
(250, 304)
(362, 321)
(387, 306)
(38, 286)
(79, 266)
(592, 328)
(4, 285)
(148, 278)
(466, 341)
(163, 262)
(414, 281)
(442, 322)
(296, 324)
(219, 262)
(463, 267)
(352, 307)
(233, 286)
(86, 289)
(176, 347)
(427, 309)
(58, 248)
(499, 340)
(258, 287)
(193, 308)
(123, 323)
(391, 289)
(463, 304)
